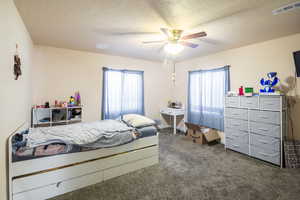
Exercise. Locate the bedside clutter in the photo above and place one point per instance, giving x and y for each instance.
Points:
(200, 134)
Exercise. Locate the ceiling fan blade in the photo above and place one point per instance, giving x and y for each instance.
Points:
(135, 33)
(153, 42)
(165, 31)
(189, 44)
(194, 35)
(118, 32)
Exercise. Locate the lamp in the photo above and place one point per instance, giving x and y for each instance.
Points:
(173, 48)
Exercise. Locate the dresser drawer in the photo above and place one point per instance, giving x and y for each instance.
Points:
(265, 154)
(240, 147)
(236, 124)
(237, 136)
(236, 113)
(232, 101)
(249, 102)
(265, 129)
(270, 103)
(266, 142)
(264, 116)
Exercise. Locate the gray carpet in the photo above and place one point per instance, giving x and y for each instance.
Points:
(190, 171)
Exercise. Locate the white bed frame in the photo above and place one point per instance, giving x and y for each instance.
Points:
(47, 177)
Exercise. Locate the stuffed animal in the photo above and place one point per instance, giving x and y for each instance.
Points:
(269, 83)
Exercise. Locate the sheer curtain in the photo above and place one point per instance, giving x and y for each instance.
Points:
(123, 93)
(206, 92)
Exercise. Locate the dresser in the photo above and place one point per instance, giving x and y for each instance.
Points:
(256, 126)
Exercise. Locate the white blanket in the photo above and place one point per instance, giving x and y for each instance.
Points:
(81, 133)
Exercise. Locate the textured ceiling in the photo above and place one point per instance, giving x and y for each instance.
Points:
(119, 26)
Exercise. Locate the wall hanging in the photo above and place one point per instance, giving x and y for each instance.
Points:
(17, 64)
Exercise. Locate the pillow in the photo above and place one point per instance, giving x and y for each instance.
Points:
(137, 120)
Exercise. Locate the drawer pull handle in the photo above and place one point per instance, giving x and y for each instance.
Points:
(262, 129)
(235, 145)
(240, 134)
(235, 124)
(263, 141)
(58, 184)
(266, 154)
(264, 117)
(269, 104)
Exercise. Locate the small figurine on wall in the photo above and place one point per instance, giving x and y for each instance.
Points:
(269, 83)
(17, 64)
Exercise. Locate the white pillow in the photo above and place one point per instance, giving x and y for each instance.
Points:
(137, 120)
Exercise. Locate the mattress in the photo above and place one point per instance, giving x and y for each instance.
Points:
(21, 153)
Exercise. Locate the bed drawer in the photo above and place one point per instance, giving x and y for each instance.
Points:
(232, 101)
(249, 102)
(59, 188)
(64, 186)
(266, 142)
(237, 146)
(264, 116)
(237, 136)
(236, 113)
(265, 129)
(129, 167)
(265, 154)
(236, 124)
(32, 182)
(270, 103)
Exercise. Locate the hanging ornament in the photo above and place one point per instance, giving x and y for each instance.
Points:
(17, 64)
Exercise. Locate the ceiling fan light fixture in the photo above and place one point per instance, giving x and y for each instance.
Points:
(173, 48)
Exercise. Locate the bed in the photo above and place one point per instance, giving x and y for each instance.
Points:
(47, 176)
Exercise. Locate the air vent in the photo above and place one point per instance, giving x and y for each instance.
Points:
(286, 8)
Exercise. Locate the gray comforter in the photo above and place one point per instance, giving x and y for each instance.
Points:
(105, 133)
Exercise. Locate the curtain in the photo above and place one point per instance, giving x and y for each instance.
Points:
(206, 92)
(122, 93)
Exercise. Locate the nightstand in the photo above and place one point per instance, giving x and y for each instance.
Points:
(173, 112)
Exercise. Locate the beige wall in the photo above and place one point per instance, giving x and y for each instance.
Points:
(58, 73)
(15, 96)
(248, 65)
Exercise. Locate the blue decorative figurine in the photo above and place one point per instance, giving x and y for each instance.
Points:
(269, 83)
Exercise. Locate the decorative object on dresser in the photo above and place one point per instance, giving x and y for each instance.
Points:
(269, 83)
(256, 126)
(53, 116)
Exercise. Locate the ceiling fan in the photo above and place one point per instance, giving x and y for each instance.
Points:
(175, 41)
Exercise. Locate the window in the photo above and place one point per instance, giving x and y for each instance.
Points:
(206, 92)
(123, 93)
